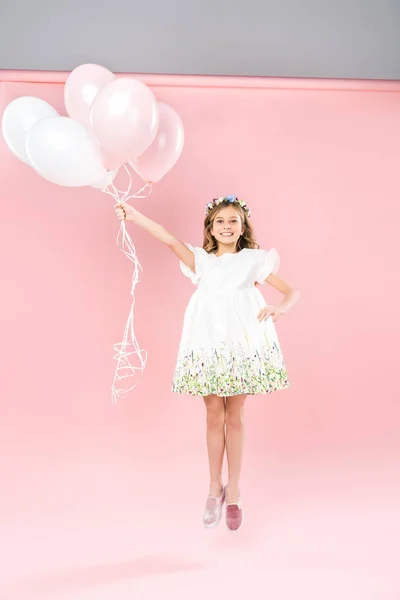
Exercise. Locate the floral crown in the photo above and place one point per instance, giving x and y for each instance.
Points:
(231, 199)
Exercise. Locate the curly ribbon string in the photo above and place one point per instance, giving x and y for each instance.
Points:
(128, 347)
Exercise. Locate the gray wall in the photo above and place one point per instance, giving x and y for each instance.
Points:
(286, 38)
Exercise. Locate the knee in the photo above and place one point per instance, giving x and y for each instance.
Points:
(235, 418)
(215, 417)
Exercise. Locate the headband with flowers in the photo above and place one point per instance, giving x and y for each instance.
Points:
(231, 199)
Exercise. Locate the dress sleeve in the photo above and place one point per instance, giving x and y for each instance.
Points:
(198, 259)
(269, 263)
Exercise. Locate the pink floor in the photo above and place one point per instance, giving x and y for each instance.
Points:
(113, 527)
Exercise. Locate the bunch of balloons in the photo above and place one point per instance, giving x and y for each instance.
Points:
(111, 122)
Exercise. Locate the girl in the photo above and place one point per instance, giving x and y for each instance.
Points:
(229, 347)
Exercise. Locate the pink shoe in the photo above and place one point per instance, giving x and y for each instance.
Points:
(213, 510)
(234, 515)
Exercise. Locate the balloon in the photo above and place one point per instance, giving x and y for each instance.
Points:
(124, 118)
(163, 153)
(81, 88)
(18, 119)
(64, 152)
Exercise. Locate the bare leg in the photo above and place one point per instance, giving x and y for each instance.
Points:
(234, 443)
(215, 441)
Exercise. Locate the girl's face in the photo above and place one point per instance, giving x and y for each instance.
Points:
(227, 227)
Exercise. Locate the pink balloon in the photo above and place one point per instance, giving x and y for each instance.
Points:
(124, 118)
(81, 88)
(163, 153)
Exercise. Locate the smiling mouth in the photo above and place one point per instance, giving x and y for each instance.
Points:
(226, 234)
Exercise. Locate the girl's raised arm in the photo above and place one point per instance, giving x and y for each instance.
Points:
(128, 213)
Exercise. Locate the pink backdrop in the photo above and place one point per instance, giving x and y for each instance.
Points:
(86, 484)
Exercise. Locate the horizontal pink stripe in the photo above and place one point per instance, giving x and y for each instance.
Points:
(218, 81)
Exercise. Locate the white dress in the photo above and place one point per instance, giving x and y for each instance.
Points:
(224, 350)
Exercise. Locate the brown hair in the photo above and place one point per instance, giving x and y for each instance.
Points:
(246, 240)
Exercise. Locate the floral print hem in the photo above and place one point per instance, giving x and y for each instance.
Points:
(230, 372)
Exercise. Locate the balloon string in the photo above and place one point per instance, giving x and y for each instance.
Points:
(128, 347)
(123, 196)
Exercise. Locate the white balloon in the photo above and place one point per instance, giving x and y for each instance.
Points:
(18, 119)
(63, 151)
